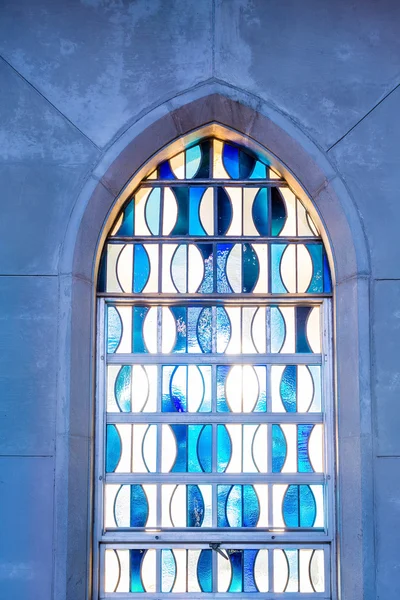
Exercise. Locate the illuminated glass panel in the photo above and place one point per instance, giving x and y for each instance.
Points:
(214, 403)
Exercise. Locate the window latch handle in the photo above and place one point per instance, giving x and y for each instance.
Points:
(216, 548)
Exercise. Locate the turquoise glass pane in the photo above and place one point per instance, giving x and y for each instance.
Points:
(126, 227)
(277, 285)
(299, 507)
(302, 313)
(278, 329)
(317, 281)
(179, 313)
(303, 436)
(223, 251)
(260, 171)
(195, 196)
(123, 388)
(139, 315)
(195, 506)
(139, 507)
(224, 448)
(193, 443)
(153, 211)
(193, 161)
(113, 448)
(181, 226)
(207, 285)
(204, 330)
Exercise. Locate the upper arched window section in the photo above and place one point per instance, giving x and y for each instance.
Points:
(214, 473)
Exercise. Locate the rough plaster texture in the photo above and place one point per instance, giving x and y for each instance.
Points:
(81, 81)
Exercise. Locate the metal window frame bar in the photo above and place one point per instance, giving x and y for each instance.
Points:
(217, 182)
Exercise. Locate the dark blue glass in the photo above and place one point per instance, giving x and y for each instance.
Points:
(207, 285)
(279, 449)
(135, 560)
(224, 210)
(181, 460)
(204, 330)
(236, 559)
(317, 284)
(179, 313)
(203, 171)
(141, 268)
(181, 226)
(165, 171)
(278, 212)
(139, 507)
(301, 315)
(288, 388)
(251, 268)
(113, 448)
(178, 390)
(223, 251)
(303, 436)
(102, 276)
(195, 196)
(123, 388)
(204, 571)
(126, 227)
(246, 163)
(223, 493)
(327, 275)
(114, 329)
(249, 584)
(195, 506)
(224, 448)
(260, 211)
(139, 315)
(230, 159)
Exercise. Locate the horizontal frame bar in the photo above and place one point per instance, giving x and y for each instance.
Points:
(214, 299)
(150, 183)
(221, 478)
(219, 418)
(206, 239)
(262, 537)
(212, 359)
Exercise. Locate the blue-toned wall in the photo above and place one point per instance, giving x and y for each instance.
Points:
(74, 76)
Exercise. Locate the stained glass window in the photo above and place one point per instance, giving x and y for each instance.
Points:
(214, 414)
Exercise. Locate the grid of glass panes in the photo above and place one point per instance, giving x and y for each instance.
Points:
(213, 322)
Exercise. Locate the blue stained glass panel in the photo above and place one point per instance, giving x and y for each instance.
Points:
(236, 560)
(193, 443)
(153, 211)
(288, 388)
(168, 570)
(278, 329)
(204, 570)
(279, 449)
(223, 251)
(195, 506)
(204, 330)
(126, 227)
(135, 560)
(277, 285)
(123, 388)
(303, 436)
(195, 196)
(224, 448)
(179, 313)
(141, 271)
(181, 226)
(299, 507)
(251, 268)
(193, 161)
(139, 315)
(165, 171)
(203, 171)
(302, 313)
(230, 159)
(113, 448)
(224, 210)
(139, 506)
(222, 373)
(223, 329)
(327, 275)
(317, 283)
(260, 211)
(278, 212)
(207, 285)
(249, 584)
(259, 171)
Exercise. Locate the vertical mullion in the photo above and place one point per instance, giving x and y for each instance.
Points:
(98, 562)
(158, 570)
(271, 570)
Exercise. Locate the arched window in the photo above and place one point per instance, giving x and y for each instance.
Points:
(214, 445)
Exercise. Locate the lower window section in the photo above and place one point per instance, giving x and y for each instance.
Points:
(199, 571)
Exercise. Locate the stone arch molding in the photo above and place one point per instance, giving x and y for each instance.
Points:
(209, 110)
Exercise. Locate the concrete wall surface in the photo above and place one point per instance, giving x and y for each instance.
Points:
(79, 76)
